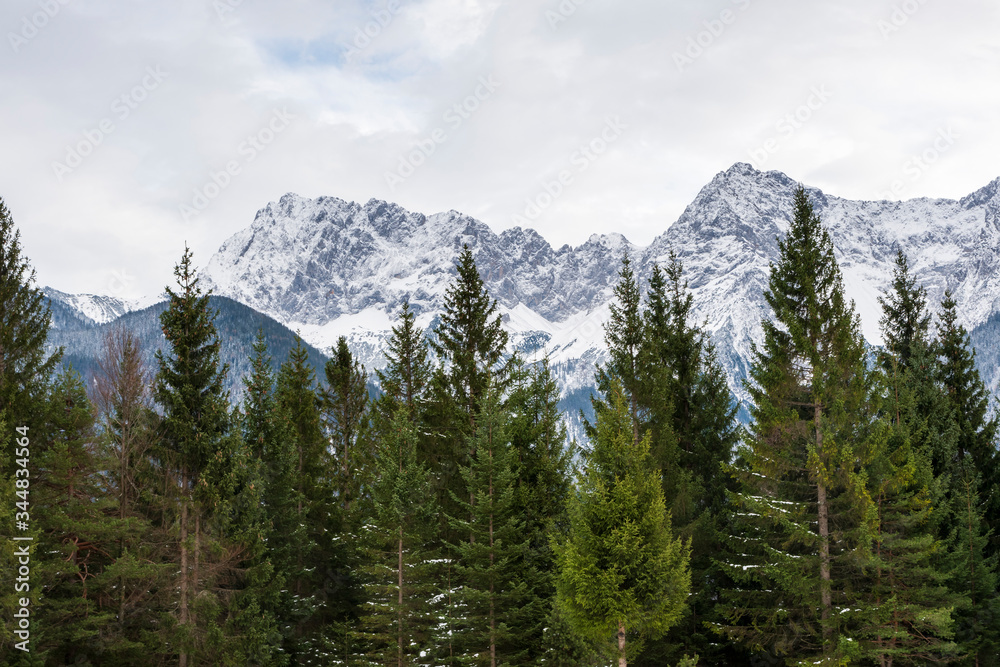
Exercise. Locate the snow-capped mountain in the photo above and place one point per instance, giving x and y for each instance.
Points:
(328, 267)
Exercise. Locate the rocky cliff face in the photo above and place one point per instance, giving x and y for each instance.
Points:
(330, 267)
(327, 267)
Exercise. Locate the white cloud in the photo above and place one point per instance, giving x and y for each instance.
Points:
(357, 114)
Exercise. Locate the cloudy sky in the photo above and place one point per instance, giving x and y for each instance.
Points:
(128, 127)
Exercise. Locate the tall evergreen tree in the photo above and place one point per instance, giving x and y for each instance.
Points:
(25, 367)
(268, 434)
(397, 560)
(25, 372)
(974, 490)
(470, 344)
(544, 462)
(345, 408)
(490, 561)
(470, 340)
(195, 451)
(621, 571)
(407, 372)
(692, 417)
(319, 584)
(907, 584)
(808, 520)
(71, 511)
(623, 334)
(969, 399)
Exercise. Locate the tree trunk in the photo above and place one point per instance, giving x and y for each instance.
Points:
(824, 534)
(493, 621)
(197, 549)
(182, 657)
(399, 602)
(622, 660)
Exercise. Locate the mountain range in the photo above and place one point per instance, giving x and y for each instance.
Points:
(327, 267)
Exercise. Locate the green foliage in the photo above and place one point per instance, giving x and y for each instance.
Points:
(621, 570)
(397, 563)
(344, 414)
(804, 520)
(490, 549)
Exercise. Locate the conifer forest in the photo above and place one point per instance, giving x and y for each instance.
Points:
(445, 518)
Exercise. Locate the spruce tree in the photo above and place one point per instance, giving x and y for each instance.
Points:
(621, 571)
(195, 445)
(25, 367)
(470, 340)
(71, 511)
(692, 417)
(623, 334)
(345, 407)
(407, 372)
(470, 344)
(397, 560)
(970, 403)
(318, 581)
(908, 575)
(804, 520)
(544, 462)
(974, 490)
(25, 373)
(490, 554)
(268, 434)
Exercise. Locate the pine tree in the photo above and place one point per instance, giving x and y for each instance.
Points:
(407, 372)
(71, 512)
(621, 571)
(397, 560)
(692, 417)
(804, 519)
(470, 340)
(25, 372)
(489, 563)
(470, 344)
(905, 321)
(623, 334)
(345, 407)
(974, 490)
(193, 452)
(969, 398)
(268, 434)
(912, 604)
(25, 368)
(318, 583)
(544, 462)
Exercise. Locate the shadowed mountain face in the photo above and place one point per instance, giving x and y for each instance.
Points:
(329, 267)
(237, 326)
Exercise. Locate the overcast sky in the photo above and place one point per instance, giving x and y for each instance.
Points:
(127, 128)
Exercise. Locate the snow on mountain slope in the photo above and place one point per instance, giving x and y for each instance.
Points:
(329, 267)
